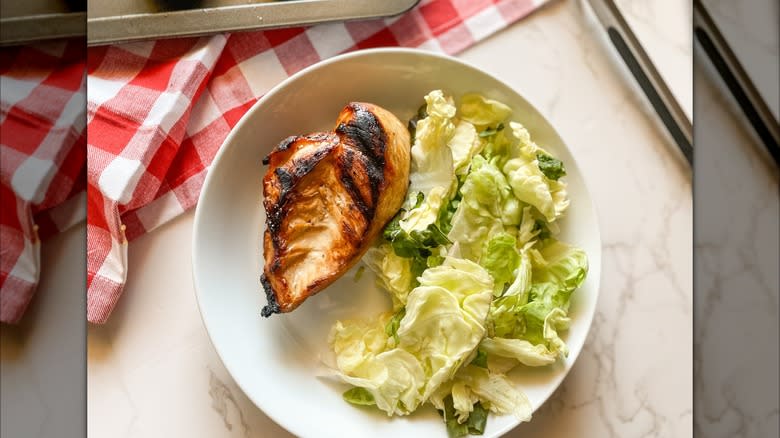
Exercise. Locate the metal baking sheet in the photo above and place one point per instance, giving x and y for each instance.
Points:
(23, 21)
(112, 21)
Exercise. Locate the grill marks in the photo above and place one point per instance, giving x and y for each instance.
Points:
(364, 132)
(361, 152)
(347, 163)
(288, 175)
(326, 197)
(298, 168)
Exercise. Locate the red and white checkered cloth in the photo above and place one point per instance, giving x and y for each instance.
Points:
(158, 112)
(42, 159)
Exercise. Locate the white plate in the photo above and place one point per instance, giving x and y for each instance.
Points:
(275, 361)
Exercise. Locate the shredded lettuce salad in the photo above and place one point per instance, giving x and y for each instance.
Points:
(478, 280)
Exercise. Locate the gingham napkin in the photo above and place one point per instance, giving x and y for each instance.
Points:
(158, 112)
(42, 159)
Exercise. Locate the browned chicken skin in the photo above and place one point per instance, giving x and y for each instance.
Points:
(327, 196)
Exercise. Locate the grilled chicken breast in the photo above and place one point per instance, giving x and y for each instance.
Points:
(327, 196)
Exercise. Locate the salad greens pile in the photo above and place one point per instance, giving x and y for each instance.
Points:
(478, 281)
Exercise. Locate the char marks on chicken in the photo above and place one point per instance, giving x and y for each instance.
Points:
(327, 196)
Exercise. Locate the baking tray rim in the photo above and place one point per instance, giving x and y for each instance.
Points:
(144, 26)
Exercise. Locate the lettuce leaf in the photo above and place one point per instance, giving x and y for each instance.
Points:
(480, 360)
(496, 147)
(522, 277)
(414, 235)
(458, 424)
(426, 213)
(551, 167)
(542, 322)
(391, 329)
(505, 317)
(535, 312)
(541, 164)
(527, 229)
(477, 419)
(501, 365)
(464, 144)
(394, 378)
(393, 272)
(359, 396)
(495, 391)
(529, 185)
(431, 157)
(355, 341)
(481, 111)
(565, 266)
(520, 349)
(443, 323)
(560, 197)
(500, 258)
(479, 215)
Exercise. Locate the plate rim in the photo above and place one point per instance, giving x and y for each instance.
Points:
(340, 58)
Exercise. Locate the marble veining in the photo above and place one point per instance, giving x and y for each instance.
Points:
(737, 259)
(224, 403)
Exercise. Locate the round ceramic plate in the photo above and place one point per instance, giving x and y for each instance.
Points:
(276, 361)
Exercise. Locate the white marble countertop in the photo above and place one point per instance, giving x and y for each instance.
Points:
(152, 371)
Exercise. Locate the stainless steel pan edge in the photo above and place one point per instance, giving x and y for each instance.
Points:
(192, 22)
